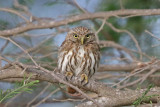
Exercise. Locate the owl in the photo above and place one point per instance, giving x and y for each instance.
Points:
(79, 54)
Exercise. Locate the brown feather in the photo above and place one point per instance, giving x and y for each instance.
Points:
(79, 58)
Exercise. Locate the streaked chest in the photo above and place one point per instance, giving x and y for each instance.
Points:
(80, 55)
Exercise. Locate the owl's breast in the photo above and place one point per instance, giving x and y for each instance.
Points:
(80, 54)
(78, 61)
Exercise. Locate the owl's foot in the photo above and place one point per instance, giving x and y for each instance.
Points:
(84, 79)
(69, 75)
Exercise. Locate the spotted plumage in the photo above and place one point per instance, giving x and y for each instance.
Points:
(79, 54)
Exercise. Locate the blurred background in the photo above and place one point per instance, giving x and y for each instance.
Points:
(43, 44)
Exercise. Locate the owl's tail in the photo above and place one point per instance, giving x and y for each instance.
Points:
(71, 90)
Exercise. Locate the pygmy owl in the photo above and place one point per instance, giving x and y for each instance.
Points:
(79, 54)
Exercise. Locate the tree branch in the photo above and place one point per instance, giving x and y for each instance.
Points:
(107, 94)
(123, 98)
(51, 24)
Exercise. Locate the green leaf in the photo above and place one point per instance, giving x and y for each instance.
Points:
(144, 97)
(24, 86)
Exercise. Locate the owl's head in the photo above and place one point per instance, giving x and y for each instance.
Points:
(81, 35)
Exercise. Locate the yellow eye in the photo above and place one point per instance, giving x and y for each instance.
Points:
(88, 35)
(75, 35)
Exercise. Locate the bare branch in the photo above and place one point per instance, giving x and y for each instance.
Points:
(45, 88)
(9, 39)
(85, 16)
(49, 95)
(123, 98)
(107, 94)
(130, 34)
(15, 12)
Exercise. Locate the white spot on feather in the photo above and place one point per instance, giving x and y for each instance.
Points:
(66, 59)
(81, 52)
(73, 62)
(60, 58)
(89, 103)
(93, 60)
(78, 70)
(80, 55)
(103, 98)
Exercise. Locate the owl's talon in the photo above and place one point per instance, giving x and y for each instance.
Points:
(84, 79)
(69, 75)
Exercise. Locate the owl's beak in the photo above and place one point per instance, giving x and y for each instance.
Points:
(82, 40)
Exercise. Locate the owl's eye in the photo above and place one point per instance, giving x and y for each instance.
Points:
(75, 35)
(88, 35)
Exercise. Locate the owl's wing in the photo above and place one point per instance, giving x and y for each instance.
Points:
(96, 50)
(62, 45)
(66, 46)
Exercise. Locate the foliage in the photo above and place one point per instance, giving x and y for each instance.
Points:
(144, 97)
(136, 25)
(24, 86)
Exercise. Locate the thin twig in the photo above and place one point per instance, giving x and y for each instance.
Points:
(15, 12)
(130, 34)
(11, 100)
(4, 46)
(7, 38)
(148, 74)
(135, 72)
(24, 9)
(44, 99)
(79, 7)
(129, 84)
(151, 34)
(45, 88)
(101, 27)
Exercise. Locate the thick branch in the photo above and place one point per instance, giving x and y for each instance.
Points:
(107, 94)
(51, 24)
(123, 98)
(120, 67)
